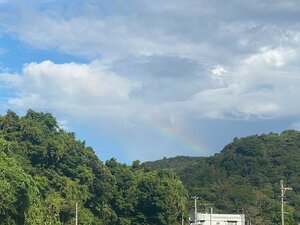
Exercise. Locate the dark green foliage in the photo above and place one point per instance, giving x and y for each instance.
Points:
(245, 176)
(156, 197)
(44, 171)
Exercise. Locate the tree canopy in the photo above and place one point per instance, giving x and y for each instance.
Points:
(45, 171)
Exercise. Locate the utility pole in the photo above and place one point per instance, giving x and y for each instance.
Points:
(76, 214)
(182, 221)
(210, 216)
(195, 198)
(283, 190)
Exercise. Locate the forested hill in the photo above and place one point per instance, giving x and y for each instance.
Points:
(245, 176)
(45, 171)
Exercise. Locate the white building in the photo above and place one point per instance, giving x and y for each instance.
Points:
(218, 219)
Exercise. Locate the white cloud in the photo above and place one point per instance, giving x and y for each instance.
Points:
(132, 29)
(71, 86)
(257, 88)
(219, 71)
(263, 85)
(9, 80)
(261, 109)
(274, 57)
(104, 36)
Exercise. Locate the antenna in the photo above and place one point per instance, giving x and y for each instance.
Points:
(283, 190)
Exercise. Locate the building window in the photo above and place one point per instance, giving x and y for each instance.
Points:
(232, 222)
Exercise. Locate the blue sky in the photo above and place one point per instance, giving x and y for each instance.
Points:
(144, 79)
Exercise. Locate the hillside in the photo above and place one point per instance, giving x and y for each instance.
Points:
(45, 171)
(245, 176)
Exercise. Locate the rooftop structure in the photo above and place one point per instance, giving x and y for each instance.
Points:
(215, 219)
(218, 219)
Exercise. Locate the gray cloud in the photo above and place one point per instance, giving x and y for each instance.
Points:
(164, 78)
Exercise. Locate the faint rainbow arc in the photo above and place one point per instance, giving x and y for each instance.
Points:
(174, 135)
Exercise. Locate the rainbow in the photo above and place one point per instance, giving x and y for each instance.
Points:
(173, 133)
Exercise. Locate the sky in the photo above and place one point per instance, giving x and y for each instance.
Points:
(141, 79)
